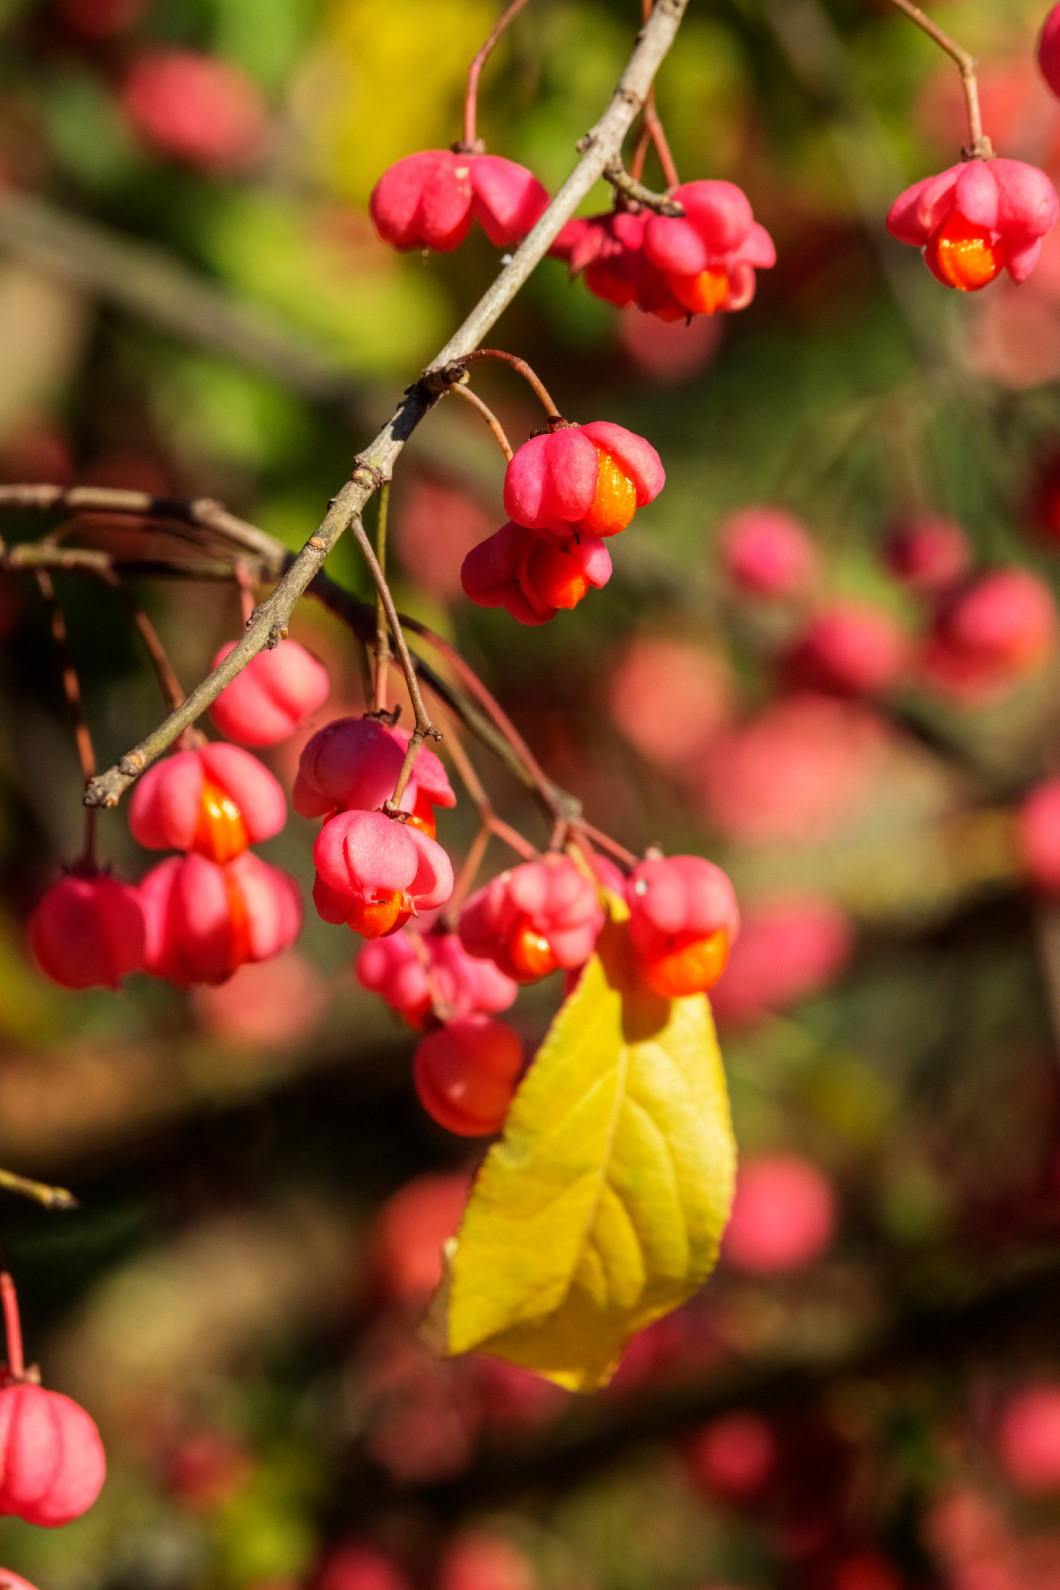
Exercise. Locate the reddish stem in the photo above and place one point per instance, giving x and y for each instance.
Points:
(12, 1327)
(475, 70)
(461, 390)
(652, 129)
(522, 368)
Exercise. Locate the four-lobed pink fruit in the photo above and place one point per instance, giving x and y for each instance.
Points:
(977, 219)
(52, 1464)
(274, 693)
(204, 920)
(374, 873)
(428, 200)
(530, 578)
(354, 763)
(88, 930)
(414, 972)
(587, 479)
(216, 802)
(672, 268)
(534, 919)
(682, 920)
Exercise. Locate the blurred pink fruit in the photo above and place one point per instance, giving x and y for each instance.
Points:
(207, 1470)
(484, 1562)
(196, 108)
(436, 526)
(734, 1456)
(990, 634)
(787, 949)
(1038, 831)
(668, 350)
(266, 1004)
(1028, 1439)
(410, 1231)
(794, 775)
(851, 648)
(1049, 50)
(866, 1570)
(927, 553)
(783, 1215)
(668, 697)
(768, 553)
(360, 1567)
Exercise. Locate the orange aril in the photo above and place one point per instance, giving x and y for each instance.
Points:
(422, 816)
(703, 294)
(555, 577)
(382, 914)
(964, 256)
(530, 952)
(615, 502)
(220, 832)
(239, 925)
(691, 966)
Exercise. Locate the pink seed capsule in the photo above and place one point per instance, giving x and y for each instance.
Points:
(465, 1074)
(88, 931)
(783, 1215)
(216, 801)
(194, 108)
(52, 1464)
(428, 200)
(276, 691)
(590, 478)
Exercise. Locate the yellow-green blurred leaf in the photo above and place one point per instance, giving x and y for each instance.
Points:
(387, 81)
(601, 1207)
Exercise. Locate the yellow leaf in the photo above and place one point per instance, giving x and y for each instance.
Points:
(601, 1207)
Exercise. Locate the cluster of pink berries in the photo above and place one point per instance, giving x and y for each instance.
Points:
(565, 490)
(52, 1464)
(538, 918)
(984, 629)
(200, 914)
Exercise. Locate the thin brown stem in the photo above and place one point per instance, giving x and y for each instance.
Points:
(74, 701)
(16, 1362)
(465, 878)
(521, 367)
(602, 841)
(245, 580)
(640, 154)
(475, 70)
(632, 188)
(476, 790)
(424, 728)
(202, 513)
(168, 682)
(556, 802)
(461, 389)
(658, 137)
(382, 633)
(979, 146)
